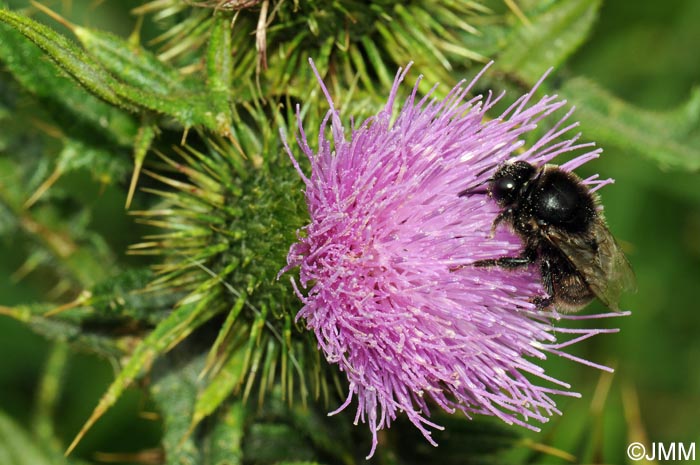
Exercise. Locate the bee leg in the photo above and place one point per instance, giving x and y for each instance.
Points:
(542, 302)
(525, 259)
(546, 272)
(504, 215)
(504, 262)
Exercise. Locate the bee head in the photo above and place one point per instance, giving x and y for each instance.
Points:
(508, 182)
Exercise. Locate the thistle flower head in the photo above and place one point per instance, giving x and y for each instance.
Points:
(384, 262)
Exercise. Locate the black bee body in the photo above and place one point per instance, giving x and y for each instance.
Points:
(563, 232)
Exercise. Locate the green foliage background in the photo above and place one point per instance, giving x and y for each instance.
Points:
(630, 67)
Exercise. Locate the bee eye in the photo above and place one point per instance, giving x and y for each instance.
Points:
(509, 181)
(503, 190)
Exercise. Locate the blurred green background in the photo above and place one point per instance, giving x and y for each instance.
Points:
(646, 52)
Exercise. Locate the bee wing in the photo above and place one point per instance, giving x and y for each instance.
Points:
(599, 258)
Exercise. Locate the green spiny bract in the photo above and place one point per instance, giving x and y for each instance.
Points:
(226, 233)
(353, 40)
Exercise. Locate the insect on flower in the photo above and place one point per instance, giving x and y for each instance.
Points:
(563, 231)
(386, 273)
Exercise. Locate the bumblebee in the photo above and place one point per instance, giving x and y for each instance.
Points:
(563, 232)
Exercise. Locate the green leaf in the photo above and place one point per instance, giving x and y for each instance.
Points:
(194, 311)
(28, 65)
(274, 442)
(188, 106)
(226, 437)
(123, 297)
(61, 238)
(49, 394)
(68, 56)
(66, 328)
(479, 440)
(174, 391)
(222, 385)
(220, 71)
(326, 434)
(148, 82)
(669, 138)
(551, 37)
(220, 56)
(17, 447)
(104, 165)
(132, 64)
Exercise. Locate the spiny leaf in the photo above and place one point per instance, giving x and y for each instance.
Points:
(123, 297)
(17, 447)
(671, 139)
(48, 395)
(60, 237)
(274, 442)
(224, 332)
(179, 324)
(68, 56)
(147, 81)
(226, 438)
(222, 385)
(186, 106)
(135, 65)
(76, 155)
(550, 38)
(220, 71)
(484, 440)
(132, 64)
(343, 37)
(147, 132)
(65, 329)
(186, 28)
(329, 439)
(219, 57)
(26, 62)
(174, 390)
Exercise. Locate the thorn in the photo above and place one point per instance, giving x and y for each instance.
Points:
(96, 414)
(183, 141)
(135, 36)
(49, 129)
(553, 451)
(636, 432)
(53, 177)
(188, 433)
(53, 15)
(518, 12)
(144, 139)
(138, 163)
(29, 265)
(144, 457)
(150, 416)
(8, 311)
(602, 391)
(81, 299)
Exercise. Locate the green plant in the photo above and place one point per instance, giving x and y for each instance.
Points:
(180, 121)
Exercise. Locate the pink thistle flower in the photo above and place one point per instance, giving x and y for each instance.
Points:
(382, 261)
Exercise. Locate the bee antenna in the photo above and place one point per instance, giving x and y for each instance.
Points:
(476, 189)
